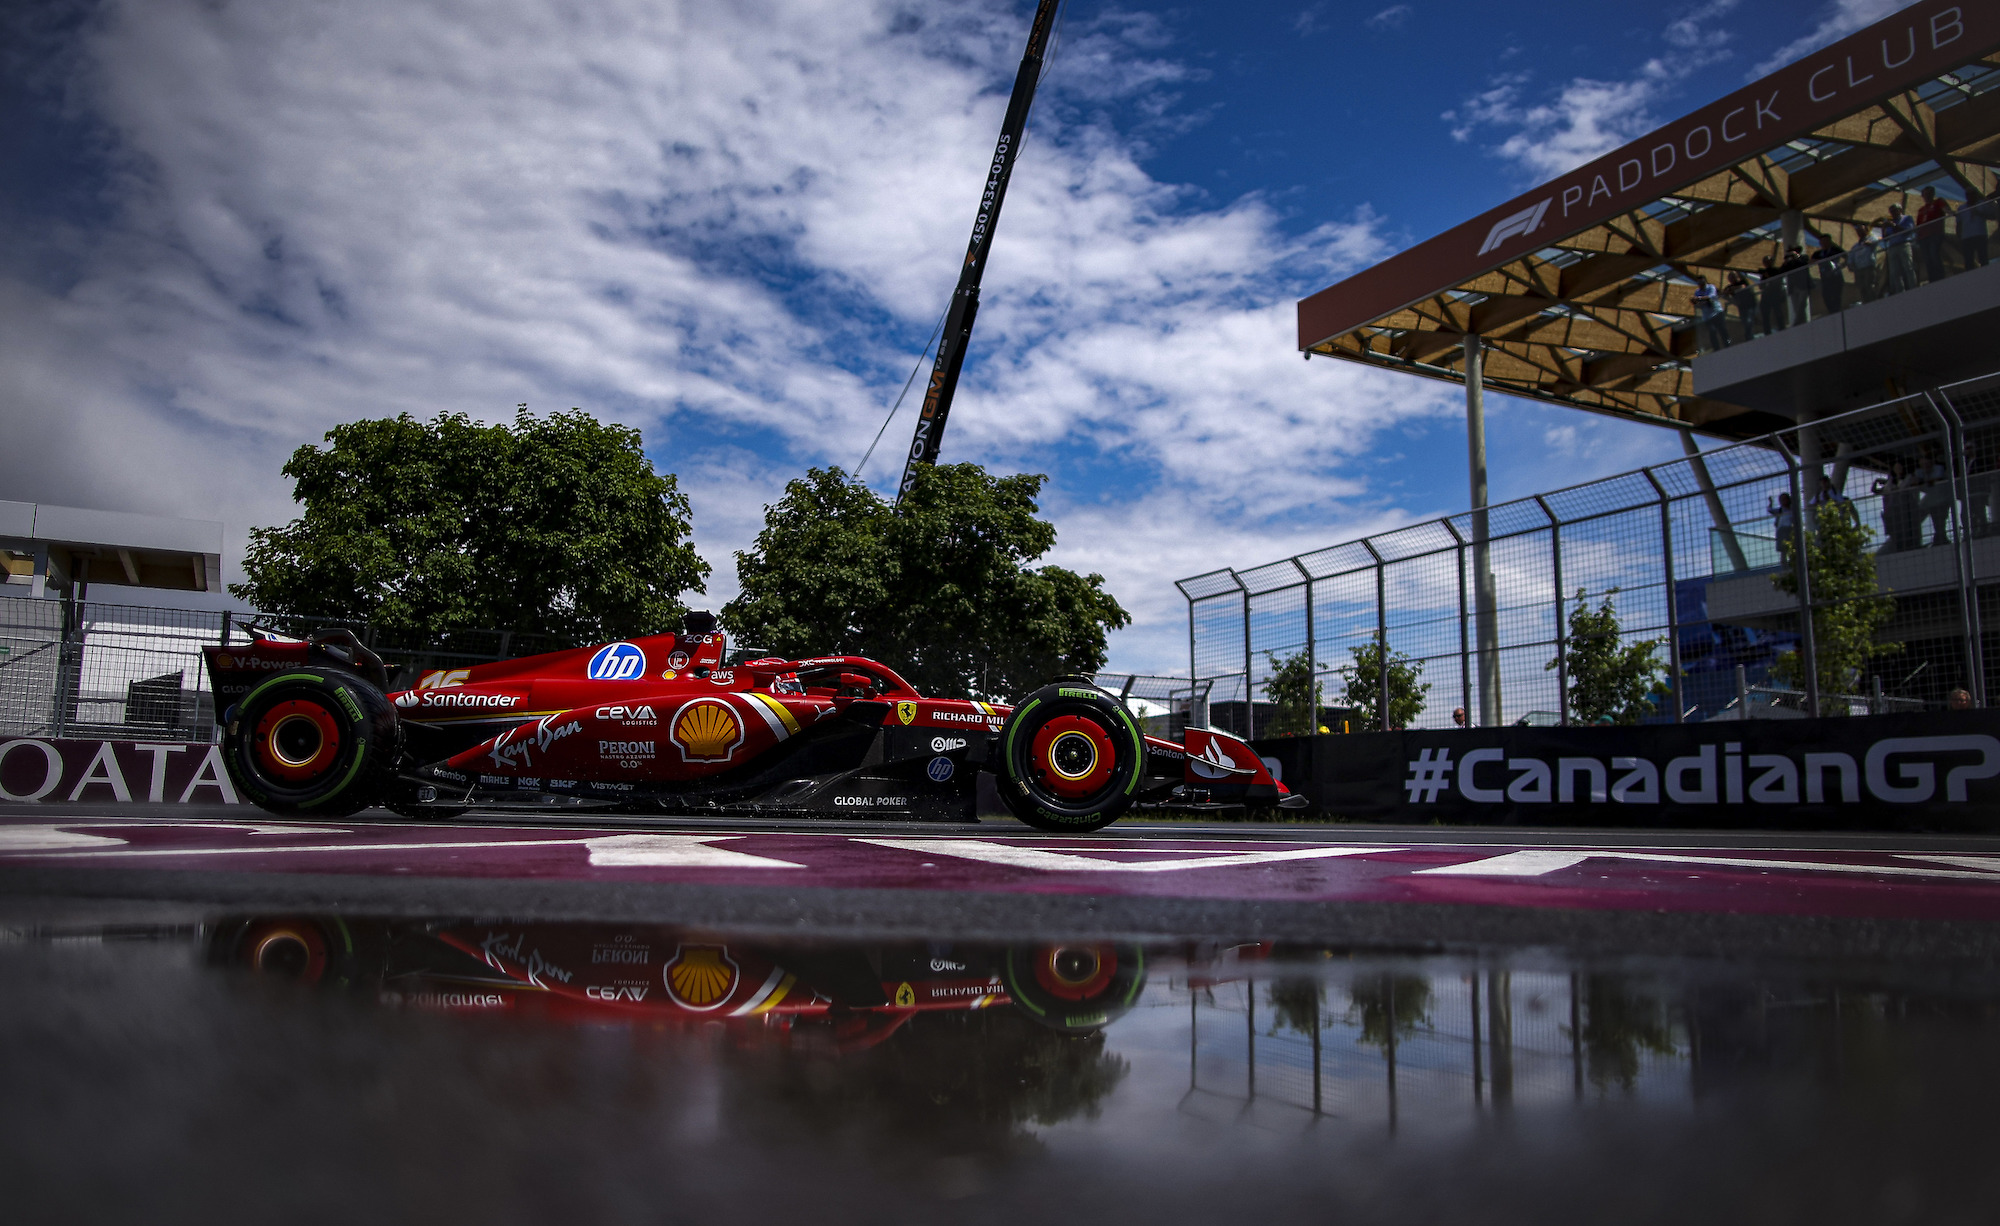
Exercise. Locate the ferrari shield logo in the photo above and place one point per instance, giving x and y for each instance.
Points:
(907, 712)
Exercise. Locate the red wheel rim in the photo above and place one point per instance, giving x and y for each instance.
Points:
(292, 950)
(1075, 972)
(297, 740)
(1073, 756)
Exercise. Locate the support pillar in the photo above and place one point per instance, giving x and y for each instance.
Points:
(1716, 513)
(1486, 614)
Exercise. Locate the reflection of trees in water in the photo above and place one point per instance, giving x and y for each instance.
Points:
(1621, 1020)
(1297, 1005)
(947, 1079)
(1374, 999)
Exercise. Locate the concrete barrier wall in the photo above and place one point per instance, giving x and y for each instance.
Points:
(71, 771)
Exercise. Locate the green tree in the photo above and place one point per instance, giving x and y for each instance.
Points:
(1363, 682)
(555, 525)
(1849, 609)
(1297, 1005)
(943, 591)
(1296, 693)
(1620, 1023)
(1609, 682)
(1386, 1004)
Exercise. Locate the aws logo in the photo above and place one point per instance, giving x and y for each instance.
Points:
(707, 730)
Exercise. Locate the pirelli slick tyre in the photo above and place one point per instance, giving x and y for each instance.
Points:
(1075, 988)
(1070, 758)
(320, 742)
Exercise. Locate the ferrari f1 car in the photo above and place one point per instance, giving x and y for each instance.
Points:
(662, 724)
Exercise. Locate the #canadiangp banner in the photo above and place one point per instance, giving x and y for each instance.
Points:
(1933, 769)
(71, 771)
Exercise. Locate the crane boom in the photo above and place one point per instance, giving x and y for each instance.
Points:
(965, 299)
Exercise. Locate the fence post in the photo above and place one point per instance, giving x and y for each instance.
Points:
(1312, 655)
(1249, 689)
(1464, 638)
(1673, 601)
(1802, 574)
(1381, 636)
(1562, 632)
(1961, 504)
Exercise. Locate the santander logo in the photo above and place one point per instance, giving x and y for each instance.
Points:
(1213, 762)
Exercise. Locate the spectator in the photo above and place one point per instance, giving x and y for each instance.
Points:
(1981, 485)
(1744, 298)
(1930, 234)
(1974, 218)
(1458, 716)
(1770, 297)
(1826, 258)
(1783, 520)
(1798, 283)
(1896, 240)
(1861, 261)
(1708, 305)
(1958, 700)
(1935, 504)
(1893, 486)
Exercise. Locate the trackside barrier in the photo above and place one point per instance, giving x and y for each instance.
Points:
(64, 771)
(1936, 770)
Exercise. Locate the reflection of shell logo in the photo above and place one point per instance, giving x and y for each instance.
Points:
(701, 977)
(707, 731)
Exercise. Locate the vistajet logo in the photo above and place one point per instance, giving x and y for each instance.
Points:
(1523, 223)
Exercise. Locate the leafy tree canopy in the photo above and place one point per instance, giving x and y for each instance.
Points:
(1363, 683)
(1296, 694)
(555, 525)
(944, 591)
(1849, 609)
(1610, 682)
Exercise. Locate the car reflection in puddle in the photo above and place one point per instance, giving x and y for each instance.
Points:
(518, 1071)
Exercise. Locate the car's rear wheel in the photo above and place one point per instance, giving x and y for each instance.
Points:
(1077, 987)
(322, 742)
(1070, 758)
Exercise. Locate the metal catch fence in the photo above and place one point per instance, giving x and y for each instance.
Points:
(1850, 563)
(89, 669)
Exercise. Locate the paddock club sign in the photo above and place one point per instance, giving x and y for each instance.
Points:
(1932, 769)
(1902, 50)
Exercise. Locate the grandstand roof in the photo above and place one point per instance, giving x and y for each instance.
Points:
(1582, 287)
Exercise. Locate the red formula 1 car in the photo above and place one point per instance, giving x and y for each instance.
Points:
(662, 724)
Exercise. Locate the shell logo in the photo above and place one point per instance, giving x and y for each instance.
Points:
(700, 977)
(707, 730)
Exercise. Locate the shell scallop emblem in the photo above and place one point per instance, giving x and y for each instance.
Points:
(701, 977)
(707, 730)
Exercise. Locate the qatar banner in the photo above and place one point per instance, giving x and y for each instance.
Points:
(1933, 770)
(56, 771)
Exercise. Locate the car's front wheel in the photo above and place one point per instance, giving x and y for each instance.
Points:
(1070, 758)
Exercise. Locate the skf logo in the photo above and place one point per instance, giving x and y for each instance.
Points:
(700, 977)
(1525, 222)
(707, 730)
(907, 712)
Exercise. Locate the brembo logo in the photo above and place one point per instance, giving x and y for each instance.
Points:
(1525, 222)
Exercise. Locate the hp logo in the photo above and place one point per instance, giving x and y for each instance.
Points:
(939, 770)
(617, 662)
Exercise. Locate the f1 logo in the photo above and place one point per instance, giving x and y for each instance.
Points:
(1527, 221)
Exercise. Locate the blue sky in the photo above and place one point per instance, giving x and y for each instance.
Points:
(229, 227)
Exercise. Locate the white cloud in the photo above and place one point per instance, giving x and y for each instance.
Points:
(1395, 17)
(729, 225)
(1841, 18)
(1586, 117)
